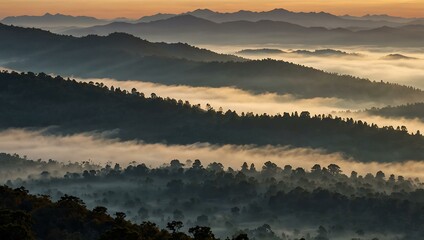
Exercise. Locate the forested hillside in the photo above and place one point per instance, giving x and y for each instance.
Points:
(125, 57)
(413, 110)
(117, 47)
(30, 100)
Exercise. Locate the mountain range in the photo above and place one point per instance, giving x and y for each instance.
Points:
(280, 26)
(61, 22)
(54, 21)
(196, 30)
(125, 57)
(383, 17)
(307, 19)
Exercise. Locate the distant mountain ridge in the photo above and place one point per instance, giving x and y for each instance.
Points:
(260, 51)
(397, 56)
(52, 21)
(316, 52)
(325, 52)
(383, 17)
(196, 30)
(61, 22)
(306, 19)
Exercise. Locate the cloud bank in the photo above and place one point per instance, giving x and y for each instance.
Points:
(83, 147)
(370, 65)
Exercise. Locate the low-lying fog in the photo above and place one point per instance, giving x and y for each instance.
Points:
(371, 63)
(84, 147)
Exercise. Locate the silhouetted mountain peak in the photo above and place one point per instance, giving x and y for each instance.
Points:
(50, 21)
(184, 19)
(326, 14)
(117, 24)
(383, 29)
(243, 11)
(279, 10)
(397, 56)
(202, 11)
(124, 36)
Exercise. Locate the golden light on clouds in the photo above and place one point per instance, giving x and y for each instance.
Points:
(138, 8)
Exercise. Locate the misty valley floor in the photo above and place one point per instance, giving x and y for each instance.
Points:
(266, 202)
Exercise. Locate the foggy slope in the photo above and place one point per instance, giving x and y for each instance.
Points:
(29, 100)
(125, 57)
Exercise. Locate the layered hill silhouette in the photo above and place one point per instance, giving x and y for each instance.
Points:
(397, 56)
(60, 22)
(383, 17)
(54, 21)
(125, 46)
(316, 53)
(307, 19)
(411, 111)
(260, 51)
(193, 29)
(124, 57)
(39, 101)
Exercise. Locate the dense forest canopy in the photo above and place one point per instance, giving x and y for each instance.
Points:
(137, 59)
(412, 110)
(269, 202)
(26, 216)
(125, 45)
(40, 101)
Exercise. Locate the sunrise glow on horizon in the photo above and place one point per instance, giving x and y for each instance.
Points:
(139, 8)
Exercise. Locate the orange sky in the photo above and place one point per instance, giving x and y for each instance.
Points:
(138, 8)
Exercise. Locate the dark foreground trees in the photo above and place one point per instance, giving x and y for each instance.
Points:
(25, 216)
(263, 203)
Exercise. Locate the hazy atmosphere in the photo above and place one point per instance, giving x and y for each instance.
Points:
(95, 149)
(406, 68)
(209, 120)
(138, 8)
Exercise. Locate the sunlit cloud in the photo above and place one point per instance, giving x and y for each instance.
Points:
(371, 64)
(236, 99)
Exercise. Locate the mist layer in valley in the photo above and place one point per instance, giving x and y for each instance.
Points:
(96, 149)
(397, 65)
(139, 180)
(258, 200)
